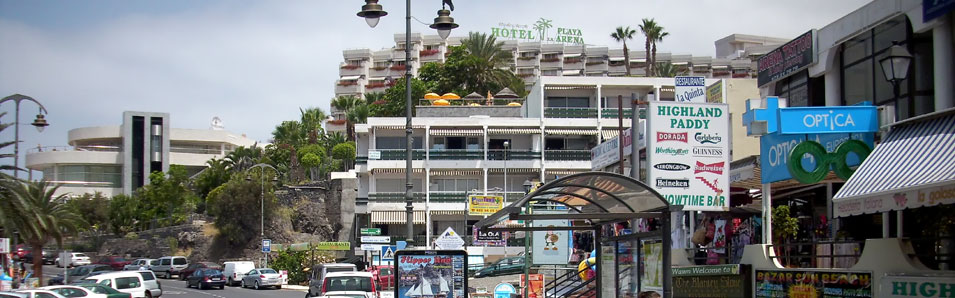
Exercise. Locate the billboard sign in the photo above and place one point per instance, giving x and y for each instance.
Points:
(608, 152)
(789, 58)
(484, 205)
(688, 154)
(808, 283)
(690, 89)
(551, 247)
(431, 273)
(714, 93)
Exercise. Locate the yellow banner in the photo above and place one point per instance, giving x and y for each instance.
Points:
(485, 205)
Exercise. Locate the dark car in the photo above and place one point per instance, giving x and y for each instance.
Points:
(206, 278)
(115, 262)
(513, 265)
(79, 273)
(184, 273)
(48, 257)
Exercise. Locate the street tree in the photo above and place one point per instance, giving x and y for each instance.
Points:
(45, 217)
(622, 34)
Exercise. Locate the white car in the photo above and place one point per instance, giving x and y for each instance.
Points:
(349, 284)
(74, 291)
(76, 259)
(130, 282)
(141, 263)
(235, 271)
(262, 277)
(41, 294)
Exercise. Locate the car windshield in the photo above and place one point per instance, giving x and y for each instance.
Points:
(78, 255)
(210, 272)
(267, 271)
(345, 296)
(339, 269)
(117, 259)
(98, 289)
(348, 283)
(153, 262)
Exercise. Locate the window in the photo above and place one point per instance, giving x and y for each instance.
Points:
(106, 282)
(148, 275)
(557, 143)
(348, 283)
(396, 185)
(457, 185)
(44, 295)
(554, 144)
(795, 89)
(179, 261)
(567, 102)
(127, 283)
(165, 261)
(397, 142)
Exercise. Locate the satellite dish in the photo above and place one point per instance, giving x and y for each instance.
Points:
(217, 123)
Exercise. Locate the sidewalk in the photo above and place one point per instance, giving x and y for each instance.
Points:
(295, 288)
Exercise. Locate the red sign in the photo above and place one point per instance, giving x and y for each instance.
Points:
(671, 136)
(715, 168)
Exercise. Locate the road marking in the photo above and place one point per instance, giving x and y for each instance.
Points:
(199, 292)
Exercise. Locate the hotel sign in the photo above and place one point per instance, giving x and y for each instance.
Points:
(789, 58)
(542, 30)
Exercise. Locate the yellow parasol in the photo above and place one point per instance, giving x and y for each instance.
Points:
(432, 96)
(440, 102)
(450, 96)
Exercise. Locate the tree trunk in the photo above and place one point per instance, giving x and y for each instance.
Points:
(349, 130)
(38, 262)
(653, 65)
(626, 56)
(646, 63)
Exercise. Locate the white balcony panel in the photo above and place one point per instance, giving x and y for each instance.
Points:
(42, 160)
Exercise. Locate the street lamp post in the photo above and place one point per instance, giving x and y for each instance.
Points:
(895, 66)
(507, 145)
(40, 123)
(372, 11)
(262, 200)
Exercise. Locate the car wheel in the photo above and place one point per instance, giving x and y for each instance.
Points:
(167, 275)
(200, 286)
(279, 287)
(256, 285)
(222, 287)
(149, 294)
(242, 283)
(231, 282)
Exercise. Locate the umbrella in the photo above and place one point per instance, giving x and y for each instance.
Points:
(432, 96)
(450, 96)
(506, 93)
(473, 95)
(514, 104)
(441, 102)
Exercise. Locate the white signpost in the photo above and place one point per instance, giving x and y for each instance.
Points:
(4, 245)
(449, 240)
(690, 89)
(376, 239)
(688, 157)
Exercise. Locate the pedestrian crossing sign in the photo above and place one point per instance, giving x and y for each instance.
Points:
(388, 253)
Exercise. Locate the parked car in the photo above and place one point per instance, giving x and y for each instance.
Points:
(123, 281)
(76, 259)
(114, 261)
(40, 294)
(78, 273)
(362, 282)
(141, 263)
(80, 291)
(104, 290)
(13, 295)
(262, 277)
(48, 257)
(384, 276)
(21, 250)
(319, 271)
(169, 266)
(512, 265)
(184, 273)
(206, 278)
(151, 283)
(235, 271)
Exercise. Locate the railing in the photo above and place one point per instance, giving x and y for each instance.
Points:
(570, 112)
(567, 154)
(456, 154)
(627, 113)
(436, 196)
(512, 196)
(513, 154)
(399, 154)
(449, 196)
(570, 284)
(819, 254)
(194, 150)
(360, 160)
(97, 148)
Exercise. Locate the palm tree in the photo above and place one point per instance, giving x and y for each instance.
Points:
(622, 35)
(487, 48)
(290, 133)
(666, 70)
(312, 119)
(45, 216)
(649, 29)
(243, 157)
(358, 114)
(345, 104)
(658, 35)
(489, 72)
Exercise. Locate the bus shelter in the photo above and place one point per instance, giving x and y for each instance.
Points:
(600, 202)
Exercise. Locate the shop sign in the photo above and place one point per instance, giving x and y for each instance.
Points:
(693, 135)
(608, 152)
(333, 246)
(911, 199)
(850, 119)
(536, 289)
(932, 9)
(690, 89)
(488, 238)
(551, 247)
(789, 58)
(4, 245)
(484, 205)
(732, 269)
(807, 283)
(775, 153)
(711, 281)
(714, 93)
(917, 286)
(542, 31)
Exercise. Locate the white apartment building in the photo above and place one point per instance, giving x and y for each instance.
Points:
(117, 159)
(366, 71)
(549, 136)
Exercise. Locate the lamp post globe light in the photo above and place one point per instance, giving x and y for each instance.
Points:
(895, 66)
(262, 166)
(372, 12)
(40, 123)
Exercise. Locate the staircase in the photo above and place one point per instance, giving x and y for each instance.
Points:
(570, 285)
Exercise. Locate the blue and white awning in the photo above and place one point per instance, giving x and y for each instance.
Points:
(913, 167)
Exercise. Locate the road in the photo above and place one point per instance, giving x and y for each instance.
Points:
(174, 288)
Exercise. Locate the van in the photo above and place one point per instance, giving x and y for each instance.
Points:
(130, 282)
(319, 272)
(151, 283)
(169, 266)
(234, 271)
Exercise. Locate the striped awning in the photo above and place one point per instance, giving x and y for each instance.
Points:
(456, 132)
(513, 131)
(513, 170)
(570, 132)
(395, 217)
(452, 172)
(395, 170)
(912, 168)
(397, 127)
(564, 172)
(609, 133)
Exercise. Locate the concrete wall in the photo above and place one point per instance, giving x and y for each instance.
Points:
(737, 91)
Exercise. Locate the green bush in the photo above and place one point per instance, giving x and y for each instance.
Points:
(131, 236)
(294, 262)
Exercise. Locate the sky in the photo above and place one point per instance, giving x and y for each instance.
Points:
(255, 63)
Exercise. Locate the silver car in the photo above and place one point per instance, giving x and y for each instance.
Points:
(262, 277)
(141, 263)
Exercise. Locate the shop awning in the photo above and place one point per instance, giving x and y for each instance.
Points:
(913, 167)
(395, 171)
(513, 131)
(396, 127)
(453, 172)
(610, 133)
(395, 217)
(570, 132)
(456, 132)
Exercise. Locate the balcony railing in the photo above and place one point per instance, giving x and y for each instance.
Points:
(399, 154)
(627, 113)
(513, 154)
(194, 150)
(456, 154)
(436, 196)
(567, 154)
(570, 112)
(99, 148)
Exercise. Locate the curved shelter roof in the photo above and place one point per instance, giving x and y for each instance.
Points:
(597, 197)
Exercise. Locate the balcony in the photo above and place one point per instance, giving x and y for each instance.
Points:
(345, 87)
(570, 112)
(550, 63)
(379, 72)
(351, 70)
(399, 154)
(376, 86)
(513, 155)
(456, 154)
(567, 155)
(575, 63)
(419, 197)
(527, 61)
(627, 113)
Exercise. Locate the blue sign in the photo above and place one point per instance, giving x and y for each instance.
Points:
(809, 120)
(504, 290)
(775, 149)
(266, 245)
(388, 252)
(932, 9)
(762, 111)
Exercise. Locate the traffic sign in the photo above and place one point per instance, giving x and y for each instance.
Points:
(266, 245)
(504, 290)
(376, 239)
(449, 240)
(371, 231)
(388, 253)
(371, 247)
